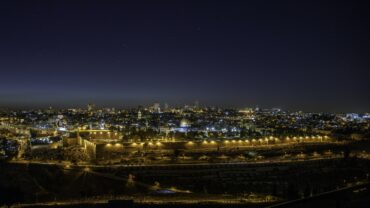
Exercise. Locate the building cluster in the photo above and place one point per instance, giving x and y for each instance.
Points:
(96, 130)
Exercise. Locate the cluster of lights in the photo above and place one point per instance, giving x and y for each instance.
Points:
(208, 142)
(115, 145)
(268, 139)
(134, 144)
(264, 140)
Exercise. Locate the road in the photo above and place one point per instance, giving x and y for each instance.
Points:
(281, 161)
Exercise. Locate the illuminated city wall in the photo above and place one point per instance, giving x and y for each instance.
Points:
(110, 150)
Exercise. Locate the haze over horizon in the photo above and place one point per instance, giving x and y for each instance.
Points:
(310, 56)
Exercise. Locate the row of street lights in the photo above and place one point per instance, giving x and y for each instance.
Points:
(265, 140)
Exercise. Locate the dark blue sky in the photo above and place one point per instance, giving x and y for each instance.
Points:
(308, 55)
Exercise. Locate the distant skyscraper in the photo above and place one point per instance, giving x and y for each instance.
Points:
(156, 107)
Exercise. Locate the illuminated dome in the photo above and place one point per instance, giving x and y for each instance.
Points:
(184, 123)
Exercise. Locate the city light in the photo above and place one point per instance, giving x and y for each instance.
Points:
(184, 104)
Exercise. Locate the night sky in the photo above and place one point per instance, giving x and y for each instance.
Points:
(297, 55)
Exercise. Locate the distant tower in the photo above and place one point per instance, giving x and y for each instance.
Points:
(257, 109)
(156, 107)
(196, 104)
(139, 115)
(90, 107)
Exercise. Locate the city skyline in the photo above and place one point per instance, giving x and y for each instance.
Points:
(184, 103)
(310, 56)
(166, 105)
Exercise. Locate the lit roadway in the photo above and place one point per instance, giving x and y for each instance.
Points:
(141, 201)
(68, 165)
